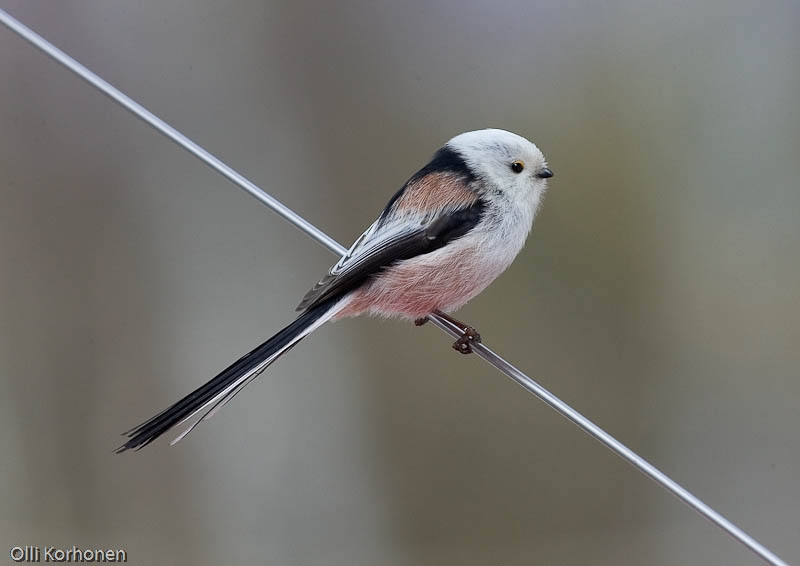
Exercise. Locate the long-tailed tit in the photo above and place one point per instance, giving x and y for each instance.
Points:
(451, 229)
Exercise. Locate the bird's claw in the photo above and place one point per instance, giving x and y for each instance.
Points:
(468, 338)
(469, 335)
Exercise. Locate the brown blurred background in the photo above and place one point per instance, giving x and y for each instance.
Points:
(658, 293)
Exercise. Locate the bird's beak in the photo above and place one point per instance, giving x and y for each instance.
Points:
(545, 173)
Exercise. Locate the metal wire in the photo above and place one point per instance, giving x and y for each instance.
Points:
(481, 350)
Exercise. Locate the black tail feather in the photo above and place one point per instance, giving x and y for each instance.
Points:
(151, 429)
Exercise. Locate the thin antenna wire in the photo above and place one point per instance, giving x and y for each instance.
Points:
(479, 349)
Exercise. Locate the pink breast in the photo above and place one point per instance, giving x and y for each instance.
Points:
(416, 287)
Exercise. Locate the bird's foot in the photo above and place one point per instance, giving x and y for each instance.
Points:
(464, 344)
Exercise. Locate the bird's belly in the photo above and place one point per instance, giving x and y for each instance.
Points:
(442, 280)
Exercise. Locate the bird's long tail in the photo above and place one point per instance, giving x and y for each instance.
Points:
(221, 389)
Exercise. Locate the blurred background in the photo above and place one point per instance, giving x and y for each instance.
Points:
(658, 293)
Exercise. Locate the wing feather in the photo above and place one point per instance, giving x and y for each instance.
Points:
(412, 224)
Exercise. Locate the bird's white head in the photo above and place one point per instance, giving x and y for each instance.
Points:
(504, 161)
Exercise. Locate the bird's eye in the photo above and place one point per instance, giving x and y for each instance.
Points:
(517, 166)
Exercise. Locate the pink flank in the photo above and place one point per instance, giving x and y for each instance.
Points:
(442, 280)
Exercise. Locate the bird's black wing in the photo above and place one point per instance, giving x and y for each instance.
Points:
(390, 239)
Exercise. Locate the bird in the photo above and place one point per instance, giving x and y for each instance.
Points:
(443, 237)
